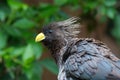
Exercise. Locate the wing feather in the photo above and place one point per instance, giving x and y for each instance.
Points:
(93, 63)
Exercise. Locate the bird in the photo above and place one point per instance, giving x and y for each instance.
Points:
(78, 58)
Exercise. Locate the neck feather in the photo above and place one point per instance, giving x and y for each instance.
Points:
(59, 49)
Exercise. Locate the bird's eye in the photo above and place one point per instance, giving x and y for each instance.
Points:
(50, 31)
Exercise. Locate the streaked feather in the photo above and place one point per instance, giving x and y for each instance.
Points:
(70, 26)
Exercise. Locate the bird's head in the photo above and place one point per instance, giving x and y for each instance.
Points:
(58, 33)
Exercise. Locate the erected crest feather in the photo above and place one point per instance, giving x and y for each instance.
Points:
(70, 26)
(69, 21)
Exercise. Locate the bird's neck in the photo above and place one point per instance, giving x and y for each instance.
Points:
(59, 49)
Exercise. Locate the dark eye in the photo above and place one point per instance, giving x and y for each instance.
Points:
(50, 31)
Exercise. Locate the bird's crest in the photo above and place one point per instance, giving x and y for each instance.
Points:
(70, 26)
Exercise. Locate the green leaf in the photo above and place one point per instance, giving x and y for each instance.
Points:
(2, 16)
(8, 61)
(109, 2)
(34, 72)
(10, 30)
(116, 29)
(28, 55)
(24, 23)
(17, 51)
(2, 52)
(37, 50)
(50, 65)
(48, 11)
(111, 12)
(3, 39)
(60, 2)
(91, 5)
(43, 5)
(7, 52)
(15, 5)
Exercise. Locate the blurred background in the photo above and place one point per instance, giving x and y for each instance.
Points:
(21, 20)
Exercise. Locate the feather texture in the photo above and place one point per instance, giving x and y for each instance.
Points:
(70, 26)
(79, 58)
(93, 64)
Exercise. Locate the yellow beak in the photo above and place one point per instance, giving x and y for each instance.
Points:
(39, 37)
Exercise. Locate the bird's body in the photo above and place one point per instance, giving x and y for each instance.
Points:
(79, 58)
(90, 60)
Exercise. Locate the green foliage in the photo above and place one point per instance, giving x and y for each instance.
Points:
(24, 23)
(19, 24)
(60, 2)
(2, 16)
(15, 5)
(19, 54)
(116, 29)
(52, 66)
(3, 39)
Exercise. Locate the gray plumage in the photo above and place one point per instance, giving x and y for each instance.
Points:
(79, 58)
(92, 60)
